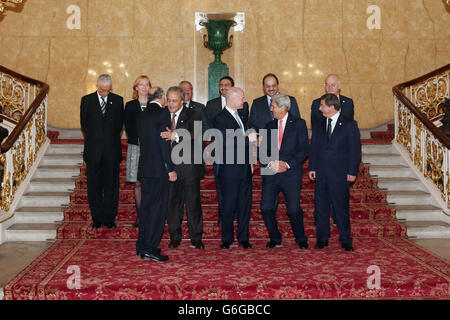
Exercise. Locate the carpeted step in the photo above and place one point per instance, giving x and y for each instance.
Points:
(125, 230)
(127, 212)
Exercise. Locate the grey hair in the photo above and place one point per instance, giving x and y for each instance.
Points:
(282, 100)
(158, 94)
(177, 89)
(105, 79)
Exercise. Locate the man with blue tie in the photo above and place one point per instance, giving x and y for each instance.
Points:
(287, 168)
(235, 174)
(333, 163)
(260, 113)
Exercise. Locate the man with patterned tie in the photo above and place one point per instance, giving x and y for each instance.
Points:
(292, 144)
(333, 163)
(101, 117)
(260, 113)
(234, 171)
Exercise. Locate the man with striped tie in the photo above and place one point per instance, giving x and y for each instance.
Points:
(101, 117)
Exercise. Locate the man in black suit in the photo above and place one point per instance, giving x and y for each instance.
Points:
(200, 108)
(101, 117)
(235, 173)
(154, 172)
(333, 163)
(213, 108)
(189, 170)
(333, 86)
(260, 113)
(287, 168)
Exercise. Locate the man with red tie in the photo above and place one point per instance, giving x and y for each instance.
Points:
(287, 170)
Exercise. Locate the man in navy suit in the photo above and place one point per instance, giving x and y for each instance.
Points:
(101, 117)
(154, 172)
(260, 113)
(235, 174)
(333, 163)
(332, 85)
(292, 143)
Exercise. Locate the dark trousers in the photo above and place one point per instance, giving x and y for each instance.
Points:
(290, 187)
(338, 195)
(219, 192)
(103, 190)
(152, 216)
(237, 200)
(180, 192)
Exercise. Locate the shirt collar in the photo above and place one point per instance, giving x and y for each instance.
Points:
(157, 103)
(224, 101)
(335, 117)
(100, 97)
(177, 114)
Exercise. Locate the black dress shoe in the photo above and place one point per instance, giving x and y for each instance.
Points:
(174, 243)
(245, 244)
(96, 225)
(154, 256)
(321, 244)
(138, 253)
(348, 247)
(198, 245)
(111, 225)
(273, 244)
(225, 245)
(303, 245)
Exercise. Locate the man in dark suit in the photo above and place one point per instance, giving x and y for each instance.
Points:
(287, 169)
(155, 171)
(197, 106)
(213, 108)
(333, 163)
(332, 85)
(235, 173)
(260, 113)
(189, 170)
(101, 117)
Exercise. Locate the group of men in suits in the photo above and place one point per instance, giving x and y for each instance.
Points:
(167, 186)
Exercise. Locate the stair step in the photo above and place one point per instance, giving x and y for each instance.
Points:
(62, 159)
(65, 148)
(45, 199)
(400, 183)
(377, 149)
(39, 214)
(382, 158)
(31, 232)
(51, 184)
(428, 229)
(418, 212)
(390, 171)
(408, 197)
(57, 171)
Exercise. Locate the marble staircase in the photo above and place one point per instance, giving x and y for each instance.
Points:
(41, 208)
(415, 206)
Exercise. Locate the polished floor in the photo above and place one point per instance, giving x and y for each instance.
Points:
(15, 256)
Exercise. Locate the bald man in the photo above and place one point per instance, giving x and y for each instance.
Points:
(332, 85)
(235, 177)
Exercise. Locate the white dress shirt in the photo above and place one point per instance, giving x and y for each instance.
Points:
(224, 101)
(333, 121)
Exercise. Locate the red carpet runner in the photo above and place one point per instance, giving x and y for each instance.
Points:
(109, 268)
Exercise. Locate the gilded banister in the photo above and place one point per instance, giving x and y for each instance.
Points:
(418, 107)
(28, 98)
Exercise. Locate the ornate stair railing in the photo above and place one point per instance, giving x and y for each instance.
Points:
(418, 108)
(24, 104)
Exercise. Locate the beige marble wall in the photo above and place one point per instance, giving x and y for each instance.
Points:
(299, 40)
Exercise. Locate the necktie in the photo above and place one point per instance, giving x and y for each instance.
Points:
(280, 133)
(103, 106)
(271, 113)
(172, 127)
(329, 128)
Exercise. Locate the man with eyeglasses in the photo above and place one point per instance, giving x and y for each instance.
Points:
(101, 117)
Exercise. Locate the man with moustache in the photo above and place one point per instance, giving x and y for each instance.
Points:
(186, 190)
(260, 113)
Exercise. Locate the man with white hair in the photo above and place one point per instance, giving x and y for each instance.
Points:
(101, 117)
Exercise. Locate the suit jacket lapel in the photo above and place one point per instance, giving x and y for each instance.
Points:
(337, 127)
(182, 118)
(288, 127)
